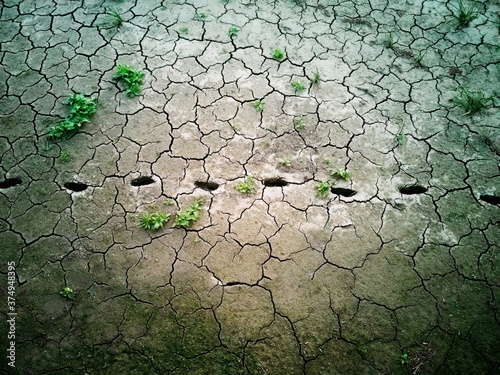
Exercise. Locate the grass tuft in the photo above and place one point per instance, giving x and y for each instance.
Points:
(465, 14)
(472, 101)
(131, 78)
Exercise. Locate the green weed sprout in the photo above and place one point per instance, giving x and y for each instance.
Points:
(420, 57)
(247, 186)
(286, 162)
(82, 108)
(299, 123)
(65, 156)
(400, 139)
(259, 105)
(472, 101)
(278, 54)
(233, 31)
(201, 15)
(323, 189)
(132, 79)
(403, 359)
(465, 14)
(315, 78)
(67, 293)
(391, 41)
(184, 218)
(116, 20)
(298, 86)
(340, 174)
(154, 221)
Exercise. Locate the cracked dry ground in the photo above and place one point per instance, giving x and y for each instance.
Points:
(279, 281)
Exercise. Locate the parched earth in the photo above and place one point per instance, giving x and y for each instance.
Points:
(395, 271)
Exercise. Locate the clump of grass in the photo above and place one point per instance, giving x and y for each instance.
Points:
(316, 78)
(259, 105)
(278, 54)
(65, 156)
(472, 101)
(286, 162)
(184, 218)
(465, 14)
(154, 221)
(247, 186)
(339, 174)
(115, 19)
(233, 31)
(82, 108)
(298, 86)
(323, 189)
(391, 41)
(169, 202)
(419, 57)
(67, 293)
(299, 123)
(132, 79)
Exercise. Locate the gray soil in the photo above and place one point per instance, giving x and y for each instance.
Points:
(395, 271)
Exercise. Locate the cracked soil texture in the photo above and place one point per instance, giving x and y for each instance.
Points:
(395, 271)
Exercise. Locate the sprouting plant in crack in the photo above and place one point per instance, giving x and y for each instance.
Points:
(277, 54)
(400, 139)
(298, 86)
(82, 108)
(259, 105)
(154, 221)
(472, 101)
(419, 57)
(201, 15)
(115, 19)
(391, 41)
(184, 218)
(131, 78)
(247, 186)
(299, 123)
(316, 78)
(169, 202)
(403, 359)
(465, 14)
(184, 30)
(339, 174)
(67, 293)
(65, 156)
(323, 189)
(233, 31)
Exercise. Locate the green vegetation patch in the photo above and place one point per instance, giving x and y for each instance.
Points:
(184, 218)
(154, 221)
(82, 108)
(472, 101)
(247, 186)
(131, 78)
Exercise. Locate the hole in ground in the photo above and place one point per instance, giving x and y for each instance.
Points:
(144, 180)
(343, 191)
(210, 186)
(9, 183)
(275, 181)
(75, 186)
(491, 199)
(413, 189)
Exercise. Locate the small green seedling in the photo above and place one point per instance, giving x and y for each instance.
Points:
(340, 174)
(233, 31)
(323, 189)
(472, 101)
(286, 162)
(247, 186)
(116, 19)
(316, 78)
(184, 30)
(420, 57)
(326, 161)
(132, 79)
(201, 15)
(278, 54)
(400, 139)
(298, 86)
(67, 293)
(154, 221)
(403, 359)
(82, 108)
(259, 105)
(169, 202)
(391, 41)
(65, 156)
(465, 14)
(299, 123)
(184, 218)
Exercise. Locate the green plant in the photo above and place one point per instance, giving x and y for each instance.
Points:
(247, 186)
(299, 123)
(67, 293)
(184, 218)
(323, 189)
(420, 57)
(403, 359)
(82, 108)
(400, 139)
(154, 221)
(316, 78)
(326, 161)
(259, 105)
(472, 101)
(340, 174)
(278, 54)
(169, 202)
(286, 162)
(132, 79)
(65, 156)
(298, 86)
(391, 41)
(465, 14)
(184, 30)
(201, 15)
(116, 19)
(233, 31)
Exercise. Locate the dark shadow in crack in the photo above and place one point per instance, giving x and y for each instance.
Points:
(491, 199)
(144, 180)
(343, 191)
(75, 186)
(412, 189)
(209, 186)
(275, 182)
(9, 183)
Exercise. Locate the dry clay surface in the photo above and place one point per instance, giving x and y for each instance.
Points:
(396, 271)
